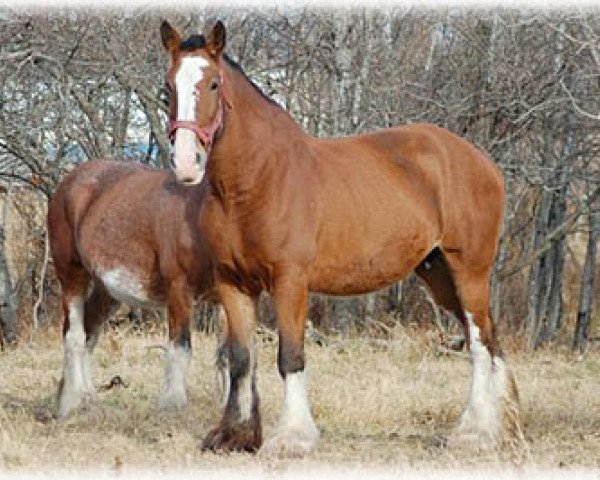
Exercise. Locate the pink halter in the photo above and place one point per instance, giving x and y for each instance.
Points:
(206, 134)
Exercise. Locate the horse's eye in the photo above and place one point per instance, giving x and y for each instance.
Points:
(214, 85)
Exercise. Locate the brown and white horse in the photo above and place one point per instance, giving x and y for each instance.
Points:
(290, 213)
(121, 232)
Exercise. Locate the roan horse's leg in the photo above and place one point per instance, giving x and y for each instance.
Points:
(81, 327)
(179, 311)
(72, 387)
(296, 433)
(98, 308)
(240, 428)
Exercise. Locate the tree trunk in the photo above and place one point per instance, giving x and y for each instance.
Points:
(588, 278)
(8, 318)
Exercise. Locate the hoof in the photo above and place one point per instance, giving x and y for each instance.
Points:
(70, 399)
(492, 417)
(243, 437)
(293, 443)
(487, 432)
(171, 401)
(473, 439)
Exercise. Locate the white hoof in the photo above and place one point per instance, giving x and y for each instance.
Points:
(476, 431)
(172, 400)
(296, 433)
(291, 442)
(70, 398)
(174, 393)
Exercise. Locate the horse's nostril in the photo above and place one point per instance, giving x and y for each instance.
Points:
(188, 180)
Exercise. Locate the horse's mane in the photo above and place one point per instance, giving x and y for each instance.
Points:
(236, 66)
(195, 42)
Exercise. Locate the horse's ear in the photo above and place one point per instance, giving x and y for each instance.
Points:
(215, 41)
(170, 37)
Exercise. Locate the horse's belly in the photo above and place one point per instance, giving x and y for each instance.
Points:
(360, 277)
(365, 263)
(128, 273)
(127, 287)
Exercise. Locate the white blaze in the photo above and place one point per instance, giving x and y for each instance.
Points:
(191, 71)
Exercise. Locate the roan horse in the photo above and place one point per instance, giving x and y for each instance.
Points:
(290, 213)
(121, 232)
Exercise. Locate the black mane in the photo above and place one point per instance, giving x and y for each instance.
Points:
(193, 42)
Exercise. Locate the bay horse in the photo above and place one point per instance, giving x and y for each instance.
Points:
(290, 213)
(124, 233)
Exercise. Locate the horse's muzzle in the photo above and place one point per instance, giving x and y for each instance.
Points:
(187, 171)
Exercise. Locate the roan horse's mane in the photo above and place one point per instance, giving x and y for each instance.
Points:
(195, 42)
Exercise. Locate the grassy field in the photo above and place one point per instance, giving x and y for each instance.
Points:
(377, 403)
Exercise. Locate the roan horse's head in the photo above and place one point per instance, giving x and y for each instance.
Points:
(196, 102)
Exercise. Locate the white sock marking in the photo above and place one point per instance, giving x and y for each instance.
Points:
(174, 394)
(74, 383)
(88, 381)
(245, 386)
(222, 374)
(295, 414)
(488, 387)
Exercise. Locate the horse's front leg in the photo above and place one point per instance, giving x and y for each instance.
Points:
(240, 428)
(179, 347)
(222, 359)
(296, 433)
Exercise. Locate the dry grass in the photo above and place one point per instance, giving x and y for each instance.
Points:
(378, 404)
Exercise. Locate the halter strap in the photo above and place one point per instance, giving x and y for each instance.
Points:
(206, 134)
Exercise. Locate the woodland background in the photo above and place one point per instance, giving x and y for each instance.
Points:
(523, 85)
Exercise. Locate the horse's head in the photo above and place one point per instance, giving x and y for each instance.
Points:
(196, 102)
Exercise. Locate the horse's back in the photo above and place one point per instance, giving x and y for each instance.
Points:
(463, 182)
(410, 189)
(82, 185)
(74, 199)
(467, 185)
(429, 147)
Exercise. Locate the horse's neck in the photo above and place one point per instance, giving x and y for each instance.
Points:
(256, 142)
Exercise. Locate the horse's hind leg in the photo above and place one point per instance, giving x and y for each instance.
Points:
(435, 272)
(179, 347)
(493, 407)
(82, 319)
(98, 307)
(72, 387)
